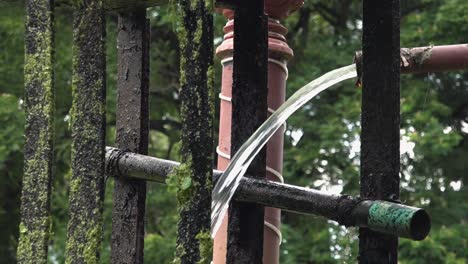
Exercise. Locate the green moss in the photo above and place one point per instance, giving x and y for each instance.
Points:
(192, 181)
(210, 87)
(87, 123)
(180, 183)
(84, 251)
(205, 245)
(93, 237)
(180, 251)
(75, 184)
(39, 133)
(209, 4)
(198, 34)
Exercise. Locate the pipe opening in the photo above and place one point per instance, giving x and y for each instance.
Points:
(420, 225)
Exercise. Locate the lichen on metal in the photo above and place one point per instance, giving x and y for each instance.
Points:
(84, 232)
(421, 56)
(385, 216)
(39, 132)
(117, 5)
(192, 181)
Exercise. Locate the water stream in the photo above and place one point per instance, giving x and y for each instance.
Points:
(229, 181)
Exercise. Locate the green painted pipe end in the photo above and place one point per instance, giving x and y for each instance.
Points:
(399, 220)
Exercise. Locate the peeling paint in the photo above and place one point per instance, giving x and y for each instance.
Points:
(421, 56)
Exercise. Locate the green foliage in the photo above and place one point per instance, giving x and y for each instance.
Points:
(206, 247)
(180, 183)
(444, 245)
(11, 135)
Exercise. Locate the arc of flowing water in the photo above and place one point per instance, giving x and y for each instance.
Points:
(229, 181)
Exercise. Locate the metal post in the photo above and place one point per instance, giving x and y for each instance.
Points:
(380, 120)
(193, 180)
(128, 215)
(249, 110)
(88, 134)
(278, 54)
(39, 132)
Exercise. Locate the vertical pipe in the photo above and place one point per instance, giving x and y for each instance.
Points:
(128, 215)
(278, 54)
(193, 179)
(380, 120)
(249, 110)
(39, 132)
(88, 134)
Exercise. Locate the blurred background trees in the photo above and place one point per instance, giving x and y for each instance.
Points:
(322, 139)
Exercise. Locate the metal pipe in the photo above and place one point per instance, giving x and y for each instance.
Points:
(128, 164)
(428, 59)
(382, 216)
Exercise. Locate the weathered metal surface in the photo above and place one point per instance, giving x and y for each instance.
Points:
(127, 164)
(39, 132)
(128, 212)
(117, 5)
(381, 216)
(193, 179)
(249, 110)
(398, 219)
(428, 59)
(88, 135)
(380, 120)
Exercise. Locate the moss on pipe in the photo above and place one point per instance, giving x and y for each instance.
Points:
(39, 132)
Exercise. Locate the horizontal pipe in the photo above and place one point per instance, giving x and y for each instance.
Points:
(429, 59)
(382, 216)
(117, 5)
(133, 165)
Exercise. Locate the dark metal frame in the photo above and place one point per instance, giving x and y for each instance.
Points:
(132, 124)
(380, 136)
(249, 111)
(380, 120)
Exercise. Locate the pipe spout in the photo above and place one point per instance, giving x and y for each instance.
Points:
(381, 216)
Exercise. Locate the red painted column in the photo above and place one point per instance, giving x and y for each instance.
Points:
(279, 54)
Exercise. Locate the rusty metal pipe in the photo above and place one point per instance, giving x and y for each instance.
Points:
(429, 59)
(381, 216)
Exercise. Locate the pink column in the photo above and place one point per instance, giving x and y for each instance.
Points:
(279, 54)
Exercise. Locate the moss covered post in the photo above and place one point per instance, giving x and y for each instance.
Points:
(193, 180)
(128, 212)
(88, 134)
(39, 132)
